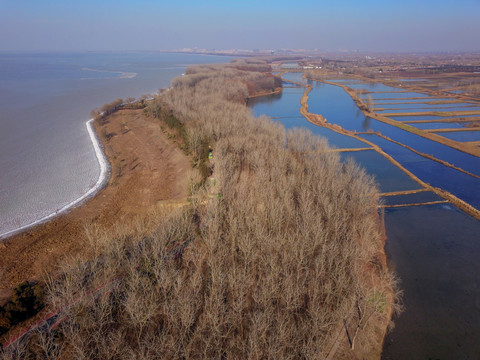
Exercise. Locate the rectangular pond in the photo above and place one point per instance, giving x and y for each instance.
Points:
(388, 176)
(343, 81)
(417, 198)
(396, 95)
(461, 185)
(338, 107)
(438, 125)
(443, 152)
(433, 108)
(429, 117)
(462, 106)
(381, 101)
(461, 135)
(373, 87)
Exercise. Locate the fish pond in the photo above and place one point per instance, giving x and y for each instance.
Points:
(432, 248)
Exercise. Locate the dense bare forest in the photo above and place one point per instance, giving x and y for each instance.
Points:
(271, 258)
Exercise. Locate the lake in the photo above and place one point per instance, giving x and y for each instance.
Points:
(46, 158)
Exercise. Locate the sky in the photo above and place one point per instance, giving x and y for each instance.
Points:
(118, 25)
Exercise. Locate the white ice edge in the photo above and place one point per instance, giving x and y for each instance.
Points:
(102, 179)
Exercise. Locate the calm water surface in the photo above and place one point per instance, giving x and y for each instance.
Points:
(438, 125)
(373, 87)
(396, 95)
(462, 135)
(430, 107)
(284, 107)
(338, 107)
(421, 197)
(381, 102)
(429, 117)
(388, 176)
(463, 186)
(434, 249)
(427, 109)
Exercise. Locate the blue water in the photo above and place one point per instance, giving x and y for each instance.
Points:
(297, 77)
(285, 107)
(427, 107)
(338, 107)
(429, 117)
(455, 157)
(285, 104)
(46, 158)
(462, 135)
(433, 249)
(417, 198)
(457, 183)
(396, 95)
(388, 176)
(438, 125)
(430, 109)
(402, 101)
(343, 81)
(374, 87)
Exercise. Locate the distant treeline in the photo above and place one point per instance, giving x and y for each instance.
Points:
(110, 108)
(279, 252)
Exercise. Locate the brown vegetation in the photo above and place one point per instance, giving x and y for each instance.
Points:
(106, 109)
(148, 174)
(290, 251)
(26, 301)
(474, 124)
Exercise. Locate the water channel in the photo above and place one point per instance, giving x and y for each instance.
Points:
(432, 248)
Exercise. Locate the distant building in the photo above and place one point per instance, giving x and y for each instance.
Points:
(289, 66)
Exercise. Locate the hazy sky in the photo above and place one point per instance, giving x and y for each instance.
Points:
(420, 25)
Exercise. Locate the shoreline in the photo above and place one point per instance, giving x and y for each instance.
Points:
(130, 166)
(101, 182)
(145, 178)
(379, 323)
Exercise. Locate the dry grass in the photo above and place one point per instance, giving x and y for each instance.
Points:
(289, 251)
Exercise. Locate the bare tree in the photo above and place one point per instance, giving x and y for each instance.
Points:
(269, 269)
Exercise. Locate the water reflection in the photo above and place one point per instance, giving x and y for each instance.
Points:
(269, 99)
(367, 123)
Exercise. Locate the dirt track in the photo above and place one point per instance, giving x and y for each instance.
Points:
(148, 172)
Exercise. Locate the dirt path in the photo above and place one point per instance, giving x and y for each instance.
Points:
(148, 172)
